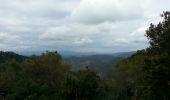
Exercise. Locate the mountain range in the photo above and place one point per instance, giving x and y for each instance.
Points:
(73, 53)
(102, 63)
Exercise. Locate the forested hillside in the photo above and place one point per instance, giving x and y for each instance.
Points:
(102, 63)
(6, 56)
(147, 73)
(144, 75)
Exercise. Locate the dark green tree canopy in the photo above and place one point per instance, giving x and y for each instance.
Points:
(159, 35)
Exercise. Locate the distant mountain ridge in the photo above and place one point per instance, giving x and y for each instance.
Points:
(103, 63)
(74, 53)
(63, 53)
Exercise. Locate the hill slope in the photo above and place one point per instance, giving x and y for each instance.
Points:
(7, 56)
(101, 63)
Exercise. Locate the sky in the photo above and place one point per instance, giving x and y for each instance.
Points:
(101, 26)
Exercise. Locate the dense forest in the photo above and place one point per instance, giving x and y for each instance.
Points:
(143, 76)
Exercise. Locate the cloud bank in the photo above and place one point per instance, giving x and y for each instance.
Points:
(102, 26)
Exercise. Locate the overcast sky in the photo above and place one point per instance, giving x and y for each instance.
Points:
(102, 26)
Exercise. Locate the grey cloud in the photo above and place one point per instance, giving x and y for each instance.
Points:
(8, 41)
(98, 11)
(78, 25)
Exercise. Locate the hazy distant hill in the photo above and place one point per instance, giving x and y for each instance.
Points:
(72, 53)
(63, 53)
(102, 63)
(123, 54)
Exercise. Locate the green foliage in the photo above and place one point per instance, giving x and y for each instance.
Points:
(88, 84)
(7, 56)
(84, 85)
(156, 68)
(45, 77)
(149, 69)
(46, 68)
(143, 76)
(34, 78)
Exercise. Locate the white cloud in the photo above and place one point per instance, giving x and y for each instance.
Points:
(83, 25)
(7, 38)
(99, 11)
(139, 32)
(8, 41)
(82, 40)
(72, 32)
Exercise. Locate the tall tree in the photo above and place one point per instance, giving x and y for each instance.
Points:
(156, 68)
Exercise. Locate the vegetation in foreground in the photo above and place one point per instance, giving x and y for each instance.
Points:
(143, 76)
